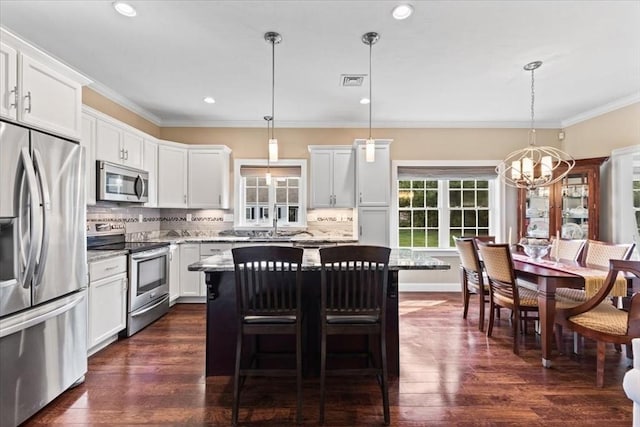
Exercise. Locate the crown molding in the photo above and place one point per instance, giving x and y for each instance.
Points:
(607, 108)
(125, 103)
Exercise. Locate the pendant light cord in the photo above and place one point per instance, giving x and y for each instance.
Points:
(532, 132)
(370, 97)
(273, 86)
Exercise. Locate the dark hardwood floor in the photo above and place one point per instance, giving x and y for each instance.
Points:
(451, 374)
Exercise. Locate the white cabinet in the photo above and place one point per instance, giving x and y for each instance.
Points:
(374, 179)
(373, 226)
(174, 273)
(190, 285)
(118, 145)
(172, 176)
(107, 301)
(88, 141)
(332, 177)
(208, 183)
(150, 164)
(37, 90)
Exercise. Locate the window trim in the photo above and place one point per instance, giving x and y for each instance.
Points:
(238, 217)
(498, 227)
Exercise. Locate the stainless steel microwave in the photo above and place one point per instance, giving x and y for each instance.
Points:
(118, 183)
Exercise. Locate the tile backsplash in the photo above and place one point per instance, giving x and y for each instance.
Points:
(148, 223)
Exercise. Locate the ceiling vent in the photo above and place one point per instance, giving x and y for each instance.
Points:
(352, 80)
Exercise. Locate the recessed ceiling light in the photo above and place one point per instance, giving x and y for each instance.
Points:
(124, 9)
(365, 101)
(209, 100)
(402, 11)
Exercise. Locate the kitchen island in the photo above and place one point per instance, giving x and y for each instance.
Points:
(222, 320)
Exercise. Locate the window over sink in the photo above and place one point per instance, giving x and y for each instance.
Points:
(259, 202)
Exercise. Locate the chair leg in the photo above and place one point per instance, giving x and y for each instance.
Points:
(465, 293)
(602, 346)
(481, 317)
(323, 371)
(385, 386)
(299, 373)
(558, 333)
(516, 331)
(492, 313)
(236, 379)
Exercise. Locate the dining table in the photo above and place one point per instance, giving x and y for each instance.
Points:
(549, 275)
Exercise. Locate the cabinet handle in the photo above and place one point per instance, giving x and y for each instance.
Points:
(361, 197)
(14, 104)
(122, 154)
(185, 198)
(361, 230)
(126, 154)
(113, 267)
(124, 284)
(28, 107)
(219, 199)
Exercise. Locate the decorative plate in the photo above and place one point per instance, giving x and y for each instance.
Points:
(538, 228)
(572, 231)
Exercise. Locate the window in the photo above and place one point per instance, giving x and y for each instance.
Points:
(258, 202)
(636, 200)
(434, 205)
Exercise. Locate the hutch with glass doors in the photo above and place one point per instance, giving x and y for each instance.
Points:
(569, 208)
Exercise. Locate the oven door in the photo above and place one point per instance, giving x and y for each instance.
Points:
(149, 279)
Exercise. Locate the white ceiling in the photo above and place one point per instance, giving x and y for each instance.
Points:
(453, 63)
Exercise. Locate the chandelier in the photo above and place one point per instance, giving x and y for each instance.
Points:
(534, 166)
(273, 38)
(370, 144)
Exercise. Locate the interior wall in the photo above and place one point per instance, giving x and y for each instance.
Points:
(598, 136)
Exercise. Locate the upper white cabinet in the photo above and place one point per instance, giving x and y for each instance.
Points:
(209, 177)
(332, 177)
(172, 175)
(38, 90)
(88, 141)
(116, 144)
(374, 179)
(150, 164)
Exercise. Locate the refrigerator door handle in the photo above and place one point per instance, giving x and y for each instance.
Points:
(30, 176)
(46, 207)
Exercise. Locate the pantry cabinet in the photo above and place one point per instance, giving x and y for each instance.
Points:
(332, 182)
(570, 207)
(208, 183)
(172, 175)
(373, 226)
(374, 178)
(37, 90)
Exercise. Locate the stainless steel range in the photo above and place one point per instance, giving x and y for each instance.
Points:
(148, 296)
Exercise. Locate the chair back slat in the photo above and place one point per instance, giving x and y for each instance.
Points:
(267, 280)
(354, 279)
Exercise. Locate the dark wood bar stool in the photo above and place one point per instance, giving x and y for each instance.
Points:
(353, 302)
(268, 301)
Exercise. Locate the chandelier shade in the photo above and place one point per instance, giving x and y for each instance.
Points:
(534, 166)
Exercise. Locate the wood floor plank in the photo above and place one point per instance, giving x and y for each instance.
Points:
(451, 375)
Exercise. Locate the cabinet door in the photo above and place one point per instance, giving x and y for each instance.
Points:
(88, 141)
(208, 179)
(343, 175)
(132, 149)
(49, 100)
(189, 280)
(578, 206)
(373, 226)
(150, 164)
(374, 186)
(108, 142)
(174, 273)
(172, 177)
(8, 81)
(107, 308)
(321, 179)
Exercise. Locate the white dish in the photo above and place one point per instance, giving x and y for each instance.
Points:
(572, 231)
(538, 228)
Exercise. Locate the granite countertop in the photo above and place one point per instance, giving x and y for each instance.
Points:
(298, 240)
(400, 259)
(93, 256)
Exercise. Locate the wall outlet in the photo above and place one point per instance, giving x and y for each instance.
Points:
(140, 218)
(189, 216)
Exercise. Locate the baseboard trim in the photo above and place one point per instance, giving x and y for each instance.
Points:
(429, 287)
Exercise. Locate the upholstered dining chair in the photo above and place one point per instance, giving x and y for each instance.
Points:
(566, 249)
(268, 302)
(353, 302)
(504, 290)
(604, 323)
(471, 277)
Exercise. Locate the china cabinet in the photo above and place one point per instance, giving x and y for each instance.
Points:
(569, 208)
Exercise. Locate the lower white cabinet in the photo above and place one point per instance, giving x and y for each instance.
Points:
(373, 226)
(107, 301)
(189, 280)
(174, 273)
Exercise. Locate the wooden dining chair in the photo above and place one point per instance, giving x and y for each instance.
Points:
(268, 302)
(472, 279)
(353, 302)
(504, 290)
(603, 323)
(566, 249)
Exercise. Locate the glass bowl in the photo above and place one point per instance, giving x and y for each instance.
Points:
(536, 251)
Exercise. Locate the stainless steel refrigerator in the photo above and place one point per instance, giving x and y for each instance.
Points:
(43, 270)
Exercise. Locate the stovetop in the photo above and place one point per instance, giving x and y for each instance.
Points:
(111, 237)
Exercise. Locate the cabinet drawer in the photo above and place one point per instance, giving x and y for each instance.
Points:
(208, 249)
(107, 267)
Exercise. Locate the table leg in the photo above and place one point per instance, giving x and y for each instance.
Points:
(547, 308)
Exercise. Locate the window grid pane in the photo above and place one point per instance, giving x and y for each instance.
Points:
(418, 213)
